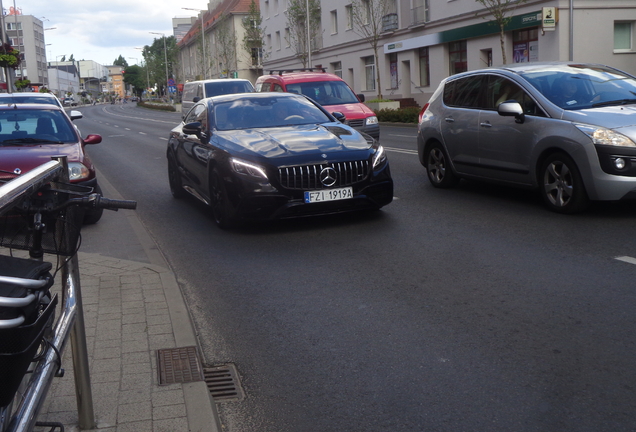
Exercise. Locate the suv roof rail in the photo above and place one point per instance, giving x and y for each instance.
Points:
(280, 72)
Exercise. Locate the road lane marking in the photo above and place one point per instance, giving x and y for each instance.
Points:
(143, 133)
(399, 150)
(403, 136)
(626, 259)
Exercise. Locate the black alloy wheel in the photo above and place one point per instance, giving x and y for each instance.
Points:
(174, 178)
(438, 168)
(219, 201)
(562, 188)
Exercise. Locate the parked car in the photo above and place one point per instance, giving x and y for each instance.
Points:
(565, 129)
(194, 91)
(30, 97)
(327, 89)
(274, 155)
(30, 134)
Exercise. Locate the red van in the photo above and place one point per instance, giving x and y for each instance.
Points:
(328, 90)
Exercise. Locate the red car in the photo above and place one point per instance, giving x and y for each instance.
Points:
(30, 134)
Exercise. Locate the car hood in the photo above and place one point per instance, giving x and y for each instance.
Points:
(305, 140)
(26, 157)
(610, 117)
(352, 111)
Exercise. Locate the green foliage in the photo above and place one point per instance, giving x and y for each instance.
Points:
(381, 100)
(120, 61)
(136, 77)
(22, 83)
(155, 55)
(9, 56)
(402, 115)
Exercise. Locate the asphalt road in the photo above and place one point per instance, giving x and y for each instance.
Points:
(471, 309)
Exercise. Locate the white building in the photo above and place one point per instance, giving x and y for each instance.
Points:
(424, 41)
(64, 78)
(26, 34)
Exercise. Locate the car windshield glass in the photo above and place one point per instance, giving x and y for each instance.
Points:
(28, 99)
(227, 87)
(266, 113)
(35, 126)
(572, 88)
(325, 92)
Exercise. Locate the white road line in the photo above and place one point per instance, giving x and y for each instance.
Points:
(626, 259)
(143, 133)
(398, 150)
(404, 136)
(163, 138)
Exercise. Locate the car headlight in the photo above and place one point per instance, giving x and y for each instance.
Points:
(372, 120)
(246, 168)
(603, 136)
(77, 171)
(379, 158)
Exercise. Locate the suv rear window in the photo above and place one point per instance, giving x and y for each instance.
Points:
(230, 87)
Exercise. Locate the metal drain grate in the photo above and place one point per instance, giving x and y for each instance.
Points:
(223, 383)
(179, 365)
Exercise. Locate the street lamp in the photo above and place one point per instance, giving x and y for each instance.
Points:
(165, 51)
(203, 66)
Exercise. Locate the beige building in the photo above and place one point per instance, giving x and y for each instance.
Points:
(424, 41)
(115, 85)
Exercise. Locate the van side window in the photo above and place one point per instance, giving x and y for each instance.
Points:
(464, 92)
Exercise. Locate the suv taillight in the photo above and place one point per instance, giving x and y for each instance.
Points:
(419, 117)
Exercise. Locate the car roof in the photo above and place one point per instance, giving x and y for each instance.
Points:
(256, 95)
(13, 96)
(30, 106)
(219, 80)
(298, 77)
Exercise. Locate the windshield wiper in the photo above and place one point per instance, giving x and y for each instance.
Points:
(614, 102)
(30, 141)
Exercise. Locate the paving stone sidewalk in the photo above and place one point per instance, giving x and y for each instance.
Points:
(131, 310)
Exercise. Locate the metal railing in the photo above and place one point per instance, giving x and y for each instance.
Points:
(70, 323)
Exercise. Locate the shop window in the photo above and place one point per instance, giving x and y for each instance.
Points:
(525, 45)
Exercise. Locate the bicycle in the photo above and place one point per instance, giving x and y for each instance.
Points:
(42, 215)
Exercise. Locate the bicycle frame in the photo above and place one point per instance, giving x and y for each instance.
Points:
(70, 323)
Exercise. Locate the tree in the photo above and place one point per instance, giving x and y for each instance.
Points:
(367, 16)
(136, 77)
(297, 24)
(120, 61)
(155, 55)
(254, 35)
(226, 45)
(501, 11)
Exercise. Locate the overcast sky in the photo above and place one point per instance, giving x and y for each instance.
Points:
(101, 30)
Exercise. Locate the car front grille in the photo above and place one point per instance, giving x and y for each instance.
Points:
(356, 123)
(307, 177)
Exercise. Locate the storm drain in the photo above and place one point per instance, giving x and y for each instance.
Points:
(223, 383)
(179, 365)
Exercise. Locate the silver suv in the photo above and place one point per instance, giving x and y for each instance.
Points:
(566, 129)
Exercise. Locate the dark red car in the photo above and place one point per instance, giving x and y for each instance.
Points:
(30, 134)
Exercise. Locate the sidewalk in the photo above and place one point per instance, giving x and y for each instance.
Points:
(132, 309)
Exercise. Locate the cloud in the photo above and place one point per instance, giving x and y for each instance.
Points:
(103, 30)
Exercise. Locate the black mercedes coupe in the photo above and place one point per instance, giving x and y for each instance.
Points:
(274, 155)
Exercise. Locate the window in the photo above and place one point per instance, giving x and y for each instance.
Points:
(15, 41)
(369, 72)
(12, 26)
(366, 11)
(464, 92)
(419, 12)
(458, 57)
(337, 68)
(287, 37)
(393, 70)
(500, 90)
(349, 12)
(525, 45)
(278, 43)
(425, 78)
(334, 22)
(623, 36)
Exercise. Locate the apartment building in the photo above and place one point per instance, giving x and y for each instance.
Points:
(424, 41)
(26, 34)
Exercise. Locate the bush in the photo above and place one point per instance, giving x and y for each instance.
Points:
(402, 115)
(157, 106)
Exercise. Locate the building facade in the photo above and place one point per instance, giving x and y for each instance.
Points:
(26, 34)
(224, 55)
(63, 78)
(424, 41)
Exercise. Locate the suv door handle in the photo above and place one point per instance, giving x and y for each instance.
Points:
(449, 120)
(485, 124)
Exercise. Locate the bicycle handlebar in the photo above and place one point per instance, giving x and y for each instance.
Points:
(95, 200)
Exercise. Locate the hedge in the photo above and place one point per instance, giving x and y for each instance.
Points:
(401, 115)
(151, 105)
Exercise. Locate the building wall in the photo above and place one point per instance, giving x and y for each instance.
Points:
(31, 32)
(450, 21)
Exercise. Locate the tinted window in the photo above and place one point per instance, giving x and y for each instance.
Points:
(502, 89)
(228, 87)
(464, 92)
(269, 112)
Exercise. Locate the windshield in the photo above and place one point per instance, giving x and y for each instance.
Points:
(35, 126)
(266, 113)
(574, 87)
(14, 99)
(227, 87)
(325, 92)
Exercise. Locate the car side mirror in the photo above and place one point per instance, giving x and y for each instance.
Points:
(196, 99)
(93, 139)
(75, 115)
(511, 108)
(193, 128)
(339, 116)
(361, 97)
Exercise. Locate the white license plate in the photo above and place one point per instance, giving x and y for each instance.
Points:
(329, 195)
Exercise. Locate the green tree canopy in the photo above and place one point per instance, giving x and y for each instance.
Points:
(155, 57)
(120, 61)
(136, 77)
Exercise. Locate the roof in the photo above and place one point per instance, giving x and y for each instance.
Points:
(210, 17)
